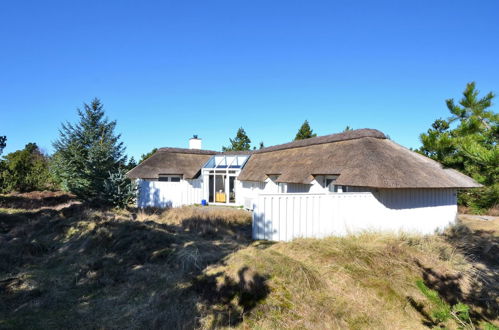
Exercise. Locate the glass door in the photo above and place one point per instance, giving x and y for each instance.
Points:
(232, 193)
(220, 193)
(221, 187)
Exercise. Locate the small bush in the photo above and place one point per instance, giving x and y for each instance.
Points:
(442, 311)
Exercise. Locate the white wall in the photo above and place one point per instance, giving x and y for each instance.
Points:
(169, 194)
(248, 191)
(288, 216)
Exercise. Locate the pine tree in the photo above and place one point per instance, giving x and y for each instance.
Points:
(305, 132)
(3, 143)
(468, 141)
(147, 155)
(86, 152)
(240, 142)
(131, 164)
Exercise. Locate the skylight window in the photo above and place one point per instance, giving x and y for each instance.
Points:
(226, 161)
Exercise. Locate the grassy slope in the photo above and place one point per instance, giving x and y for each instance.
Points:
(196, 267)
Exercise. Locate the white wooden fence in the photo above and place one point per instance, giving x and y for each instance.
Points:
(283, 217)
(169, 194)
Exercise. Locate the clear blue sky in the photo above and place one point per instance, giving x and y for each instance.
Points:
(168, 69)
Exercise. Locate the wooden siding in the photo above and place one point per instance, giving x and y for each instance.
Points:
(169, 194)
(283, 217)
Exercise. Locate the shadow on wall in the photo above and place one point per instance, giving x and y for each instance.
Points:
(153, 271)
(415, 198)
(150, 196)
(262, 229)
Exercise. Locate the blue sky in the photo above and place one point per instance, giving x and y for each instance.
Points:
(168, 69)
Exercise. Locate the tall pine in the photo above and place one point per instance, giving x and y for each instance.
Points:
(305, 132)
(87, 152)
(468, 141)
(240, 142)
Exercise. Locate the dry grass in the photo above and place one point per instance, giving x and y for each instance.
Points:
(212, 220)
(493, 211)
(37, 200)
(364, 281)
(196, 267)
(490, 226)
(87, 268)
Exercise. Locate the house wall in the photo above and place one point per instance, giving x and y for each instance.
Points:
(247, 191)
(169, 194)
(283, 217)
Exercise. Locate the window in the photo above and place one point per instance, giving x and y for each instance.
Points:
(339, 189)
(329, 183)
(169, 178)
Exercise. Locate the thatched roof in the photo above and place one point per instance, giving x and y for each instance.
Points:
(363, 158)
(186, 162)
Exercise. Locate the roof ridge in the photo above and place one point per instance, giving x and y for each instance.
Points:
(336, 137)
(188, 151)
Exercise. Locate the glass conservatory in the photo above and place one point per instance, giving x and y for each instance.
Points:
(219, 175)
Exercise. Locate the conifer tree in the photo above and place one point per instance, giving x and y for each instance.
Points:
(3, 143)
(240, 142)
(86, 152)
(147, 155)
(305, 132)
(468, 141)
(118, 190)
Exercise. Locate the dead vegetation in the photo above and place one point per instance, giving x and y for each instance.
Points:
(37, 200)
(493, 211)
(196, 267)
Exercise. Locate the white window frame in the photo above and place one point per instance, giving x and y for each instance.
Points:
(169, 177)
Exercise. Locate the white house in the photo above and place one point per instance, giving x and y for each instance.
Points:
(328, 185)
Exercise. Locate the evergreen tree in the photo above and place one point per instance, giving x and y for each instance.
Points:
(305, 132)
(147, 155)
(119, 191)
(240, 142)
(25, 170)
(86, 152)
(3, 143)
(467, 141)
(131, 164)
(348, 128)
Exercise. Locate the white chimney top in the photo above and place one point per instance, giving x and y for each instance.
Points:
(195, 142)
